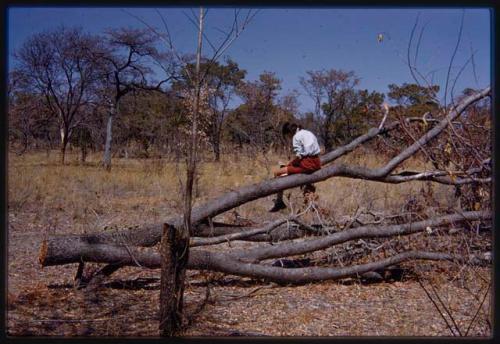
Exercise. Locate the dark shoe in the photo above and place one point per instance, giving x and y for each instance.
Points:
(278, 205)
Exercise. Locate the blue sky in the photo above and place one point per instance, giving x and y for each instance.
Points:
(291, 41)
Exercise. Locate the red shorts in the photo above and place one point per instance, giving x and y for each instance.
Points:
(308, 164)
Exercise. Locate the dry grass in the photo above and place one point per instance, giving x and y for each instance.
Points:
(92, 196)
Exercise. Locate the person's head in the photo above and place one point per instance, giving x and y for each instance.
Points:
(289, 129)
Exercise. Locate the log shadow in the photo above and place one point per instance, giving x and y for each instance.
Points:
(231, 282)
(388, 275)
(141, 283)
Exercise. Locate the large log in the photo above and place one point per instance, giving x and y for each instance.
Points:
(215, 261)
(74, 249)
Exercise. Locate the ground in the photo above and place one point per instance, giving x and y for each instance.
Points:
(46, 198)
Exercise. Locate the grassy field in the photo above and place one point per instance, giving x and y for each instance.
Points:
(151, 189)
(47, 198)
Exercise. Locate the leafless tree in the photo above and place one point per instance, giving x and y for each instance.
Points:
(58, 66)
(175, 242)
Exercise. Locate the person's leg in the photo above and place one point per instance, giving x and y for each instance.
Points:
(279, 204)
(310, 164)
(292, 168)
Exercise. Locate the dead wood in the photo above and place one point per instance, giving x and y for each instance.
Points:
(238, 235)
(174, 258)
(245, 263)
(310, 245)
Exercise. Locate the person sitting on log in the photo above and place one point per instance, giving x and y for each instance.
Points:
(306, 148)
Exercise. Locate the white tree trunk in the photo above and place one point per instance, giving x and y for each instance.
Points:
(109, 137)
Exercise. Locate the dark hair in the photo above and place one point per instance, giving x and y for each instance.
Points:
(289, 128)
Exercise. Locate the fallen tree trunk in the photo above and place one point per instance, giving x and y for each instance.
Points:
(245, 263)
(315, 274)
(75, 249)
(114, 247)
(213, 261)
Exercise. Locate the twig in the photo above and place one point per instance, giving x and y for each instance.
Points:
(446, 309)
(437, 307)
(453, 57)
(478, 309)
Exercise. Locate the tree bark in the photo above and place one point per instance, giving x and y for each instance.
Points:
(109, 136)
(64, 144)
(174, 258)
(245, 262)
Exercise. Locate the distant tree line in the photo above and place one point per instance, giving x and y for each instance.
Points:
(120, 93)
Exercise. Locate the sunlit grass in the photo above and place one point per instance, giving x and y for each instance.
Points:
(144, 190)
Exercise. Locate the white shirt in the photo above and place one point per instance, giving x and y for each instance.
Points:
(305, 143)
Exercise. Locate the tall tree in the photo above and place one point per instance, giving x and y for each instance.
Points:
(124, 68)
(329, 90)
(255, 118)
(220, 82)
(58, 65)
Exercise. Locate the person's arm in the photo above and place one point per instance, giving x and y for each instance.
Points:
(282, 171)
(298, 146)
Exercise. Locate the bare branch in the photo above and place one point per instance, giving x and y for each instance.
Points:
(453, 57)
(301, 247)
(239, 235)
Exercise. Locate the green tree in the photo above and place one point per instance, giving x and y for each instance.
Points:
(413, 99)
(330, 90)
(341, 111)
(151, 119)
(220, 83)
(255, 120)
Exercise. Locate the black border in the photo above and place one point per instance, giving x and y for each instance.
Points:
(263, 4)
